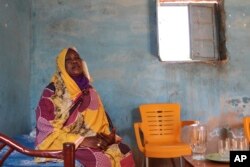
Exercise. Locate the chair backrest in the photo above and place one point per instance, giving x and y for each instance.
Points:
(246, 125)
(160, 122)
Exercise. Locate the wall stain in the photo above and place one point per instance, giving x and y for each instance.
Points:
(60, 2)
(239, 103)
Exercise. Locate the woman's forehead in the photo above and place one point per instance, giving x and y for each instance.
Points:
(71, 52)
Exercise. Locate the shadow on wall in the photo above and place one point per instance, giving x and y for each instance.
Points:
(152, 28)
(138, 156)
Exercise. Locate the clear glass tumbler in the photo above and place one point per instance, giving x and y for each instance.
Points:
(198, 141)
(224, 147)
(240, 144)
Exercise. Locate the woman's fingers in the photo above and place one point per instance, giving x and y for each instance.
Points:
(104, 137)
(102, 144)
(94, 142)
(100, 141)
(118, 139)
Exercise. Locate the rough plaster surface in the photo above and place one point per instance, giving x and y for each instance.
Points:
(15, 67)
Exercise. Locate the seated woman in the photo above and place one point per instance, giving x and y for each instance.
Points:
(70, 110)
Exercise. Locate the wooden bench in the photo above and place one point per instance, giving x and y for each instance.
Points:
(67, 154)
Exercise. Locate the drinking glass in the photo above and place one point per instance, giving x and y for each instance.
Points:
(224, 147)
(240, 144)
(198, 141)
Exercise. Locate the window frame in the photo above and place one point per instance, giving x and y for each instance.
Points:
(217, 10)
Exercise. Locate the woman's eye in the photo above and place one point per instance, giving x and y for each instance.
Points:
(72, 60)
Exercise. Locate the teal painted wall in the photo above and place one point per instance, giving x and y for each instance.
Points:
(15, 66)
(118, 41)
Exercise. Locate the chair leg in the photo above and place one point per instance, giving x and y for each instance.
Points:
(147, 162)
(143, 162)
(172, 161)
(181, 161)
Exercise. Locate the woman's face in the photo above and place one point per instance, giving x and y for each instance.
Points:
(73, 63)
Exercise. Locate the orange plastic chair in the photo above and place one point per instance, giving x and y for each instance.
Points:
(159, 133)
(246, 127)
